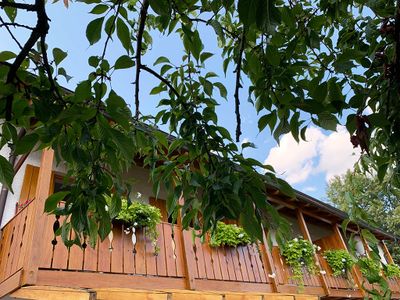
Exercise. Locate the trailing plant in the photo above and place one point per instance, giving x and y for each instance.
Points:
(370, 268)
(392, 271)
(339, 260)
(299, 253)
(140, 215)
(229, 235)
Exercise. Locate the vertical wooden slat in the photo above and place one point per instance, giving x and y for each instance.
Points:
(128, 255)
(169, 250)
(75, 256)
(117, 251)
(307, 236)
(214, 261)
(16, 244)
(151, 266)
(205, 249)
(90, 257)
(230, 263)
(236, 264)
(160, 258)
(243, 265)
(48, 236)
(104, 256)
(21, 257)
(247, 261)
(201, 264)
(60, 254)
(220, 257)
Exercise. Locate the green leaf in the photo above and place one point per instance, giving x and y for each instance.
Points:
(160, 60)
(93, 30)
(6, 172)
(218, 29)
(327, 121)
(7, 55)
(11, 12)
(99, 9)
(26, 143)
(123, 34)
(52, 202)
(124, 62)
(161, 7)
(59, 55)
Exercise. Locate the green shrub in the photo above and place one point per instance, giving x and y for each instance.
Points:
(340, 261)
(392, 271)
(229, 235)
(299, 253)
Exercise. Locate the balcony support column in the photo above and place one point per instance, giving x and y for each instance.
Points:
(342, 245)
(36, 219)
(268, 262)
(307, 236)
(187, 251)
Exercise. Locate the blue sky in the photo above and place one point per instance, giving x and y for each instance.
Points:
(307, 166)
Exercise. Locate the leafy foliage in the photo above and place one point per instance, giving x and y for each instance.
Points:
(370, 268)
(392, 271)
(299, 254)
(229, 235)
(365, 198)
(340, 261)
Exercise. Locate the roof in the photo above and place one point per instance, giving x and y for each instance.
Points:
(325, 211)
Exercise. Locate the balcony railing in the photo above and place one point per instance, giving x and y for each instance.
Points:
(181, 262)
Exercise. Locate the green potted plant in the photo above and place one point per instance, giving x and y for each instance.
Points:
(299, 254)
(339, 260)
(392, 271)
(136, 215)
(229, 235)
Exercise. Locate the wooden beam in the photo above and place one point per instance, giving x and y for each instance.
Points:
(387, 253)
(10, 284)
(117, 294)
(53, 293)
(307, 236)
(342, 244)
(35, 221)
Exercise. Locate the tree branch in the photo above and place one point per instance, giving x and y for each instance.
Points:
(139, 37)
(158, 76)
(6, 24)
(397, 39)
(27, 7)
(238, 86)
(46, 66)
(41, 28)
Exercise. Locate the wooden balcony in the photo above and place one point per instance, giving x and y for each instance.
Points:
(31, 256)
(180, 264)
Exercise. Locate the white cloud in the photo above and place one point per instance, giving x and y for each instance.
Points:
(330, 154)
(309, 189)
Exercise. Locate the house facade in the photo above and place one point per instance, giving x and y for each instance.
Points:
(34, 264)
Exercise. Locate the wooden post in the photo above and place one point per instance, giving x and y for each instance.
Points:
(187, 251)
(387, 253)
(307, 236)
(342, 244)
(268, 262)
(36, 219)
